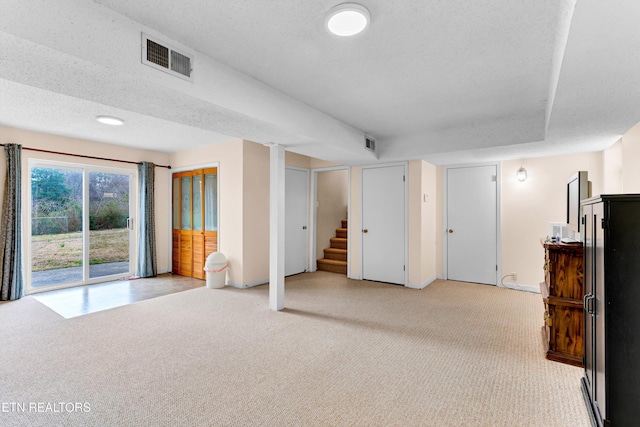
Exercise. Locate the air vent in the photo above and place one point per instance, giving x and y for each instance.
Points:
(159, 55)
(370, 144)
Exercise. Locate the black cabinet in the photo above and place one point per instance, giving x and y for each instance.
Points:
(611, 381)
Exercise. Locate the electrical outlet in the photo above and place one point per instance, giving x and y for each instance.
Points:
(515, 276)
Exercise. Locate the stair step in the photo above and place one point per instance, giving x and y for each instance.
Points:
(332, 265)
(338, 242)
(335, 253)
(344, 223)
(342, 232)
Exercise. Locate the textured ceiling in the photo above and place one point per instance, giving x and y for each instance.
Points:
(448, 81)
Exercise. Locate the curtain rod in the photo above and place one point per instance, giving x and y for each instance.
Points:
(88, 157)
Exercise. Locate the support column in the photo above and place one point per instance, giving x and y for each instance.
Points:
(276, 222)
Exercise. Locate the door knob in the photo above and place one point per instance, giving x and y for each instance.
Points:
(365, 231)
(451, 230)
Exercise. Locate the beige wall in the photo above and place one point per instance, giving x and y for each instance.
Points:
(48, 142)
(423, 217)
(526, 211)
(244, 205)
(255, 214)
(332, 188)
(355, 225)
(430, 211)
(612, 164)
(422, 223)
(297, 160)
(528, 207)
(631, 160)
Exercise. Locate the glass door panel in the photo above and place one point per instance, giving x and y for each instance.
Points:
(197, 203)
(211, 202)
(109, 234)
(176, 203)
(186, 203)
(56, 226)
(80, 225)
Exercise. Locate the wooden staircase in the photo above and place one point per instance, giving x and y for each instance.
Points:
(335, 257)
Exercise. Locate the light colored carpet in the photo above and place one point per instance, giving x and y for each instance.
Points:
(344, 353)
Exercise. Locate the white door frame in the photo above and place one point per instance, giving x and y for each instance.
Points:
(306, 171)
(445, 261)
(313, 221)
(86, 169)
(405, 166)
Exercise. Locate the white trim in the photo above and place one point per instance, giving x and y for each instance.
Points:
(195, 167)
(423, 284)
(405, 166)
(498, 216)
(276, 221)
(308, 216)
(520, 287)
(248, 284)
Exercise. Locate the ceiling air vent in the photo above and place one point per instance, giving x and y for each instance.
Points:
(370, 143)
(159, 55)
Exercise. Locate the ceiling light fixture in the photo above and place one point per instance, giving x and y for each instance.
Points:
(108, 120)
(347, 19)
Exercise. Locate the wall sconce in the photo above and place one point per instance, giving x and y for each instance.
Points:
(521, 174)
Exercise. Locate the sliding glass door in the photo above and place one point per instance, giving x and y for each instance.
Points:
(109, 224)
(81, 225)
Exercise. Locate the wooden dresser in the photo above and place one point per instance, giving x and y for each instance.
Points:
(562, 293)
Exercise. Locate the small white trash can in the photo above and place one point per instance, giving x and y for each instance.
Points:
(216, 268)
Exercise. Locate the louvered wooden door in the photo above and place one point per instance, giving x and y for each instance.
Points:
(195, 220)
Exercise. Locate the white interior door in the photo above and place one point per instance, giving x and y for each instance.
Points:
(472, 224)
(295, 220)
(383, 224)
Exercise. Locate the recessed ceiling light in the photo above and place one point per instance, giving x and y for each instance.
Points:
(108, 120)
(347, 19)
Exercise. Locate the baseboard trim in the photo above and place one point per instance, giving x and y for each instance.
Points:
(248, 284)
(521, 287)
(423, 284)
